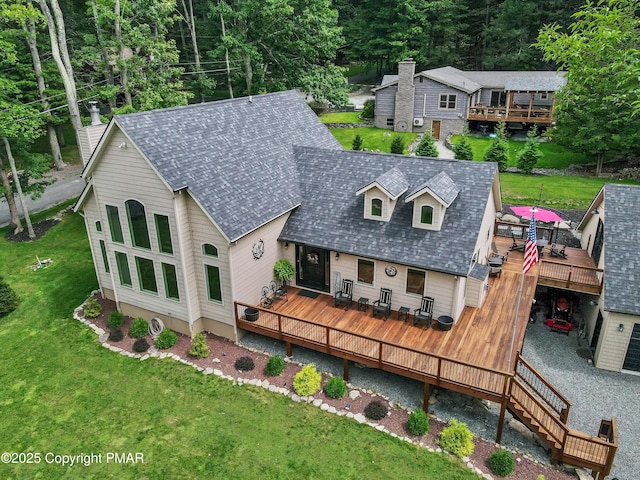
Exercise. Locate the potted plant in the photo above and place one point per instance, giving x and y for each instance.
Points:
(283, 271)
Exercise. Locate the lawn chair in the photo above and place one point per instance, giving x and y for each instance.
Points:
(383, 304)
(345, 295)
(517, 246)
(424, 313)
(558, 251)
(496, 254)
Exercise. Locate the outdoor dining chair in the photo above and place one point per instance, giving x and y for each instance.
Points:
(558, 251)
(424, 313)
(517, 246)
(345, 295)
(383, 304)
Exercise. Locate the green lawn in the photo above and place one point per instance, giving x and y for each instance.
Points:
(64, 393)
(341, 117)
(373, 138)
(553, 155)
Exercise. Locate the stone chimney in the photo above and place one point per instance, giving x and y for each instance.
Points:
(95, 113)
(403, 117)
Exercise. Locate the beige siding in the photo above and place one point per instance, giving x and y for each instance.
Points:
(91, 216)
(388, 205)
(475, 292)
(613, 344)
(439, 212)
(589, 231)
(486, 233)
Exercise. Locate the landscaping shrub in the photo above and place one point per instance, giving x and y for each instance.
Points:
(335, 388)
(244, 364)
(8, 299)
(199, 347)
(501, 462)
(275, 366)
(166, 339)
(427, 146)
(307, 381)
(139, 328)
(376, 410)
(397, 144)
(140, 345)
(91, 309)
(357, 142)
(457, 439)
(418, 423)
(116, 319)
(368, 108)
(115, 335)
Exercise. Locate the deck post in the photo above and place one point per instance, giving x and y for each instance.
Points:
(503, 407)
(289, 350)
(345, 369)
(425, 400)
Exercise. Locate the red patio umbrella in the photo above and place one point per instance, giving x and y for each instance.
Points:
(542, 214)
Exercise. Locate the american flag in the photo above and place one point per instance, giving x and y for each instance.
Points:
(531, 249)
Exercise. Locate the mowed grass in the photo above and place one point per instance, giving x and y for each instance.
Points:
(63, 393)
(372, 138)
(341, 117)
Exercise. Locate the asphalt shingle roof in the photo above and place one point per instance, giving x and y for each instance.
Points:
(621, 249)
(443, 187)
(393, 181)
(234, 156)
(331, 216)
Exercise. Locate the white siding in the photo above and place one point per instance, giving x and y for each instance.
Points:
(475, 292)
(439, 212)
(387, 204)
(486, 233)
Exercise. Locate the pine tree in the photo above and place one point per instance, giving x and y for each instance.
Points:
(357, 142)
(462, 150)
(497, 151)
(427, 147)
(8, 299)
(397, 144)
(530, 154)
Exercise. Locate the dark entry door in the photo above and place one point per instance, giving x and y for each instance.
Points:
(632, 360)
(596, 333)
(597, 243)
(435, 129)
(313, 267)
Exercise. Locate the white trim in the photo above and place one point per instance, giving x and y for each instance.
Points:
(440, 95)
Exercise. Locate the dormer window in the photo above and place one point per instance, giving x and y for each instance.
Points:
(376, 207)
(431, 200)
(426, 215)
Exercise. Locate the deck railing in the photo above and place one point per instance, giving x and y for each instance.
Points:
(573, 277)
(496, 114)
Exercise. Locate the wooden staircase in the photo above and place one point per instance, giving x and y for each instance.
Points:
(544, 410)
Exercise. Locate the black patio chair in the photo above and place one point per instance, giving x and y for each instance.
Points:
(517, 246)
(345, 295)
(383, 304)
(558, 251)
(495, 253)
(424, 313)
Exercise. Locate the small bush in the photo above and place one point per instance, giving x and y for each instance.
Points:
(139, 328)
(418, 423)
(376, 410)
(140, 345)
(115, 335)
(275, 366)
(335, 388)
(244, 364)
(166, 339)
(368, 108)
(357, 142)
(457, 439)
(307, 381)
(91, 309)
(501, 462)
(199, 347)
(116, 319)
(397, 144)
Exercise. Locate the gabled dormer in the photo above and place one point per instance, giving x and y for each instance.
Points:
(431, 200)
(381, 195)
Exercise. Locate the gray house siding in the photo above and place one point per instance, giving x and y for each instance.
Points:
(385, 106)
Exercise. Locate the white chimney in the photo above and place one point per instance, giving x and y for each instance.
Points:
(95, 113)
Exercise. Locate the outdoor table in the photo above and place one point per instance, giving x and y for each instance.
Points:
(363, 303)
(403, 313)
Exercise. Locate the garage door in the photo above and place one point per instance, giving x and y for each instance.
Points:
(632, 360)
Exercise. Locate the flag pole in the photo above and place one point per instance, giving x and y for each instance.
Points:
(515, 320)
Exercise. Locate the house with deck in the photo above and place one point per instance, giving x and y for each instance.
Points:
(613, 242)
(444, 99)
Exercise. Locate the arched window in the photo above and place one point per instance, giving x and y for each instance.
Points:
(138, 224)
(209, 250)
(426, 214)
(376, 207)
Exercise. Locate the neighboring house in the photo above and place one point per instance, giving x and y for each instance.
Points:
(611, 235)
(443, 99)
(187, 209)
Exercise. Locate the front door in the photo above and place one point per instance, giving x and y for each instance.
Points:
(435, 129)
(632, 359)
(313, 267)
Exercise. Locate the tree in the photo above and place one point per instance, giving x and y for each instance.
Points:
(427, 147)
(497, 151)
(9, 300)
(530, 154)
(357, 142)
(596, 110)
(462, 150)
(397, 144)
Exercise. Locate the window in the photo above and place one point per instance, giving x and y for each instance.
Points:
(146, 275)
(544, 96)
(98, 226)
(448, 101)
(114, 224)
(164, 233)
(170, 281)
(365, 271)
(213, 283)
(103, 249)
(210, 250)
(498, 98)
(415, 281)
(123, 269)
(376, 207)
(137, 224)
(426, 214)
(389, 122)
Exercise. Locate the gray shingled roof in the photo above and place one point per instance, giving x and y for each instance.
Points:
(621, 249)
(479, 272)
(443, 187)
(332, 217)
(534, 84)
(393, 181)
(234, 156)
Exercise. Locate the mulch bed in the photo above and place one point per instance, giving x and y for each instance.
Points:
(39, 229)
(224, 353)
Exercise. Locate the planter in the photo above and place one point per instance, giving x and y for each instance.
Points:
(445, 323)
(251, 314)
